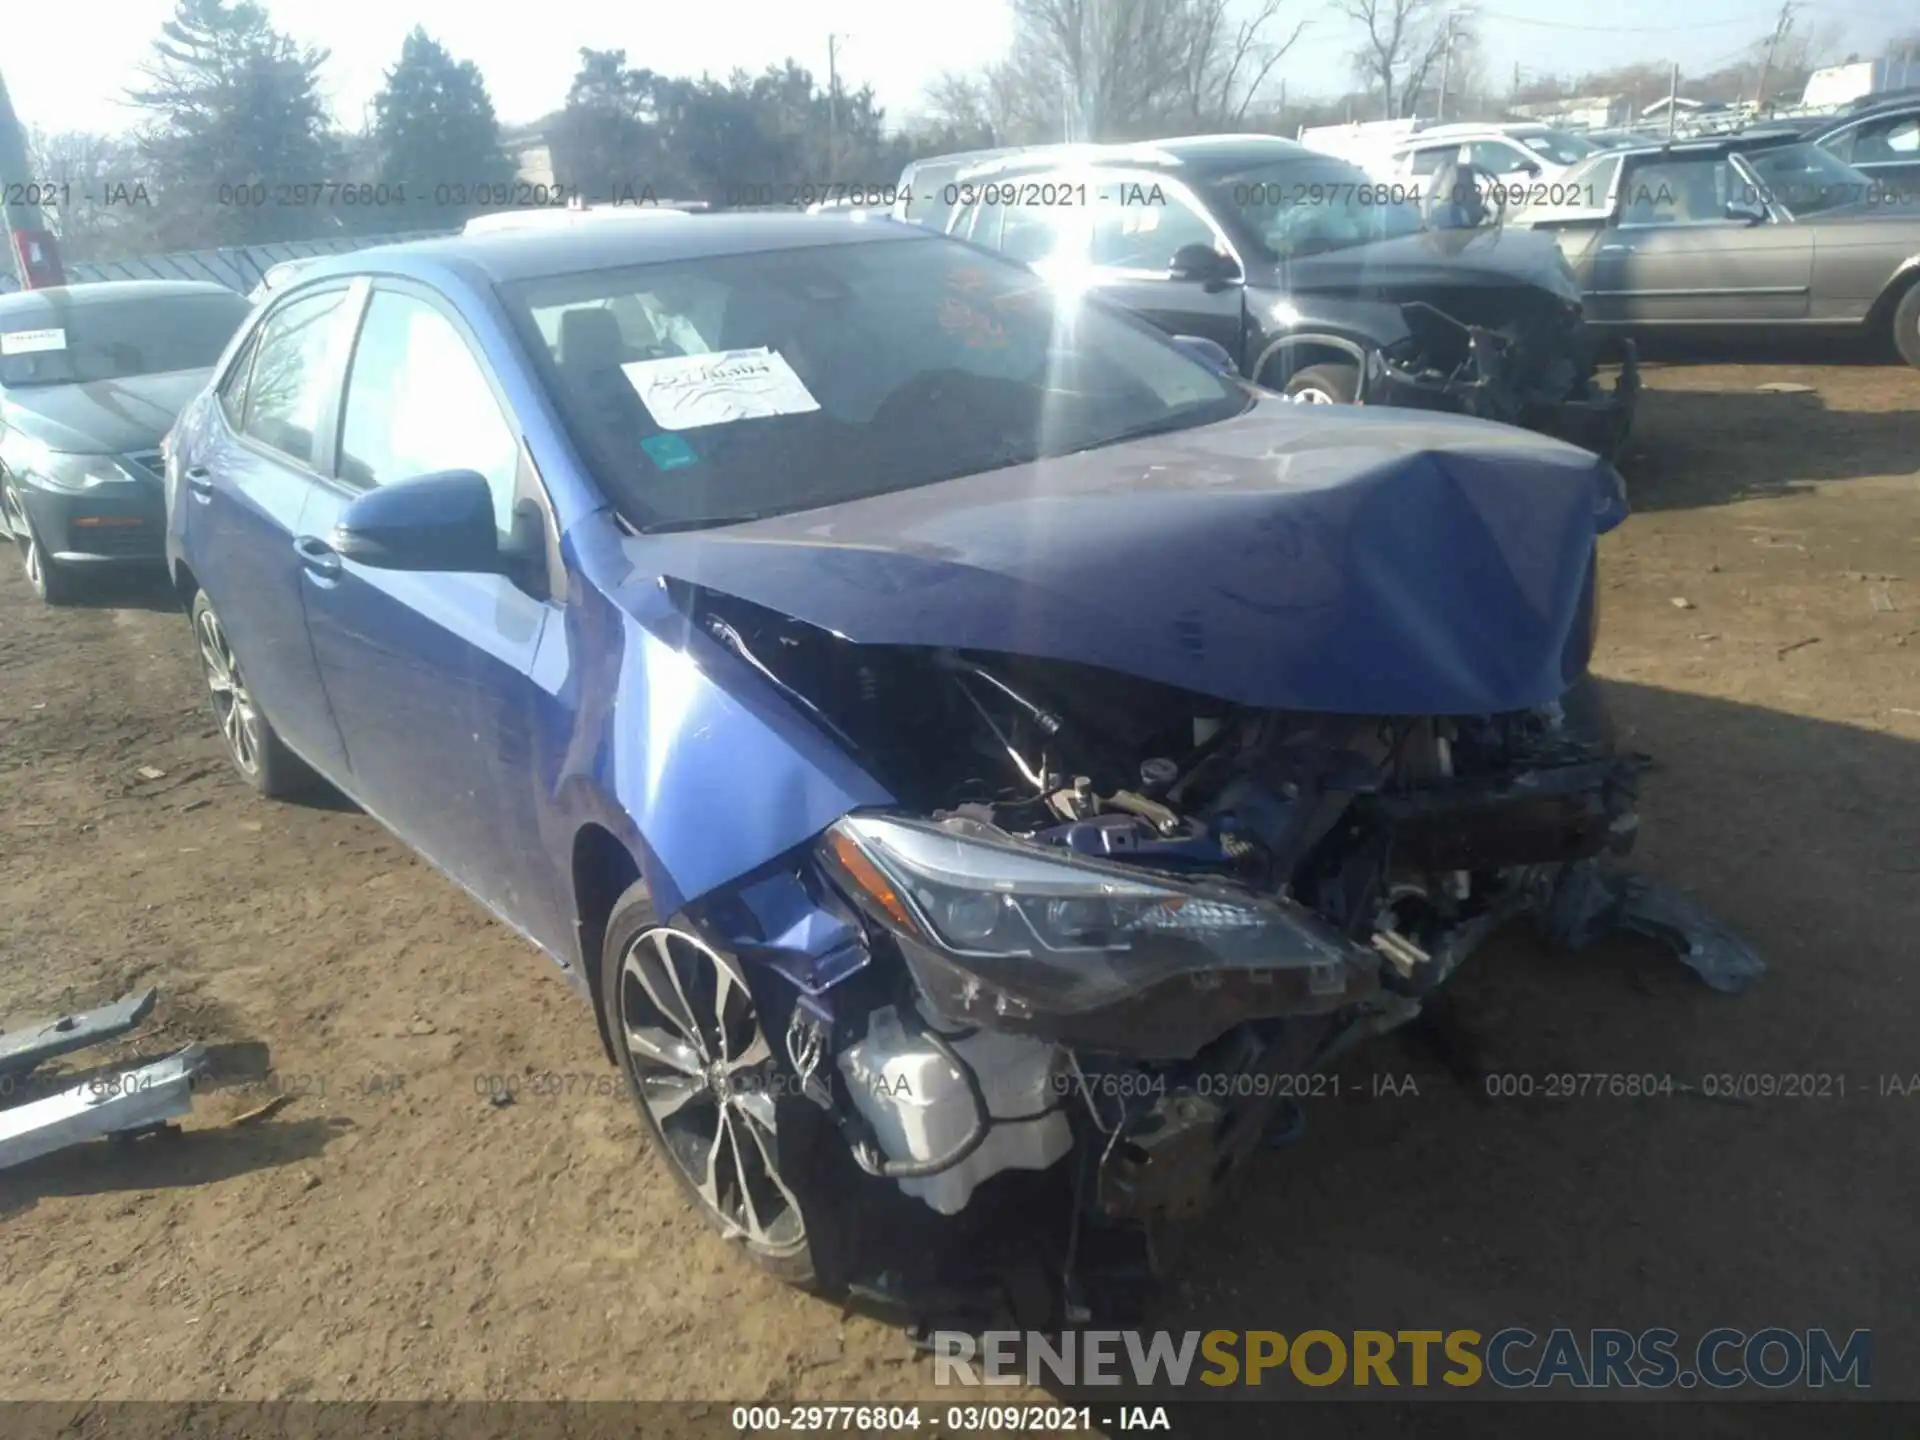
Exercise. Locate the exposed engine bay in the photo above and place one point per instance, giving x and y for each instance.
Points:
(1123, 918)
(1519, 355)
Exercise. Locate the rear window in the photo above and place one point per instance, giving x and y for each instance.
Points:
(712, 389)
(73, 344)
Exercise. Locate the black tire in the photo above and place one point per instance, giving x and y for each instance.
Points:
(1906, 325)
(1324, 385)
(53, 582)
(678, 1100)
(253, 745)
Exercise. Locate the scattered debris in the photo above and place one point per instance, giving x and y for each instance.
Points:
(1706, 635)
(151, 772)
(420, 1026)
(1680, 602)
(1783, 387)
(1786, 650)
(500, 1099)
(132, 1102)
(261, 1112)
(1880, 602)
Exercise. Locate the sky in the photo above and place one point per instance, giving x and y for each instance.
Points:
(68, 77)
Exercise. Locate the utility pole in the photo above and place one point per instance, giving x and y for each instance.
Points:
(1673, 100)
(1446, 66)
(1773, 44)
(833, 104)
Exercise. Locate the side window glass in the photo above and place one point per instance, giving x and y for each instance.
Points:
(1496, 157)
(1881, 141)
(233, 394)
(417, 402)
(294, 364)
(1677, 192)
(1132, 233)
(1428, 162)
(1594, 186)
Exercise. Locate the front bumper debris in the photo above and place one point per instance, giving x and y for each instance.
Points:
(1488, 386)
(103, 1103)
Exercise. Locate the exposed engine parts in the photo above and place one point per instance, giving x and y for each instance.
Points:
(1098, 895)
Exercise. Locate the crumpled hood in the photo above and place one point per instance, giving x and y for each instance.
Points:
(1365, 561)
(1433, 261)
(107, 417)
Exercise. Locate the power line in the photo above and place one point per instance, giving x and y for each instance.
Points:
(1757, 19)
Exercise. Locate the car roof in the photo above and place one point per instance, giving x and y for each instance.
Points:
(1203, 155)
(1713, 144)
(101, 292)
(531, 252)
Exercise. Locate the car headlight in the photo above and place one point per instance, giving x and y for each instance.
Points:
(997, 929)
(31, 461)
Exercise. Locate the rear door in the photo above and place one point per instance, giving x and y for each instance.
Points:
(1672, 256)
(434, 676)
(245, 491)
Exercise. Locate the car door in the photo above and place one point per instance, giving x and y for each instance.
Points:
(1673, 256)
(246, 490)
(1137, 223)
(433, 676)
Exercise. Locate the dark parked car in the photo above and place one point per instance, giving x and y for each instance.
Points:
(1317, 280)
(91, 377)
(1881, 140)
(1739, 233)
(958, 742)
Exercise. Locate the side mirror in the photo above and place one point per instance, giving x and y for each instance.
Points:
(1528, 168)
(1749, 211)
(1210, 353)
(442, 522)
(1203, 263)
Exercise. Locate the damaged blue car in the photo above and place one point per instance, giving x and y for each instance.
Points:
(973, 754)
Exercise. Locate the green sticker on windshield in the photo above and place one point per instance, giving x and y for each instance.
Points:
(669, 451)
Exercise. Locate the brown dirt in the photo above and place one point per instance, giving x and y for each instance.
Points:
(390, 1234)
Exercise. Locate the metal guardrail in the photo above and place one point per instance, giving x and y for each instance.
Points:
(237, 267)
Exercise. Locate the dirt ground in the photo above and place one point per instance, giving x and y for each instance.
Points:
(389, 1233)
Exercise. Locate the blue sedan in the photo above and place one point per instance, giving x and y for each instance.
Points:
(963, 745)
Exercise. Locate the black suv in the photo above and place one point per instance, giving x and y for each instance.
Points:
(1317, 280)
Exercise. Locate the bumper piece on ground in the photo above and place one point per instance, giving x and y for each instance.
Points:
(21, 1050)
(1588, 902)
(103, 1105)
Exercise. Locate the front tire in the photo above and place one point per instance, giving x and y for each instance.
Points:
(253, 745)
(688, 1035)
(51, 581)
(1324, 385)
(1906, 325)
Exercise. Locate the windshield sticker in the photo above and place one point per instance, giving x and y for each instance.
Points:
(32, 342)
(669, 451)
(684, 392)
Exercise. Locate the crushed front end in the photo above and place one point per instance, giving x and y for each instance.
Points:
(1114, 928)
(1519, 354)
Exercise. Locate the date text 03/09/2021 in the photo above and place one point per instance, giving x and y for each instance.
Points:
(950, 1420)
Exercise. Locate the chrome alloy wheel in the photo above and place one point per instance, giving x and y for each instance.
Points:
(232, 705)
(706, 1074)
(1311, 396)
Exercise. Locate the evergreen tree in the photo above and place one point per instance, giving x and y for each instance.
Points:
(437, 136)
(237, 113)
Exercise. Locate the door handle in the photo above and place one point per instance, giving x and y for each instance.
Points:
(317, 556)
(1615, 249)
(199, 479)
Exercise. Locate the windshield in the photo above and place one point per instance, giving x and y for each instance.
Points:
(1299, 210)
(1558, 146)
(1807, 179)
(733, 386)
(66, 344)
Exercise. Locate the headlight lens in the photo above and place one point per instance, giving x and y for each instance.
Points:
(996, 927)
(32, 461)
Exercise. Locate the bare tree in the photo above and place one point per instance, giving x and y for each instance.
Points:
(1226, 60)
(1403, 43)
